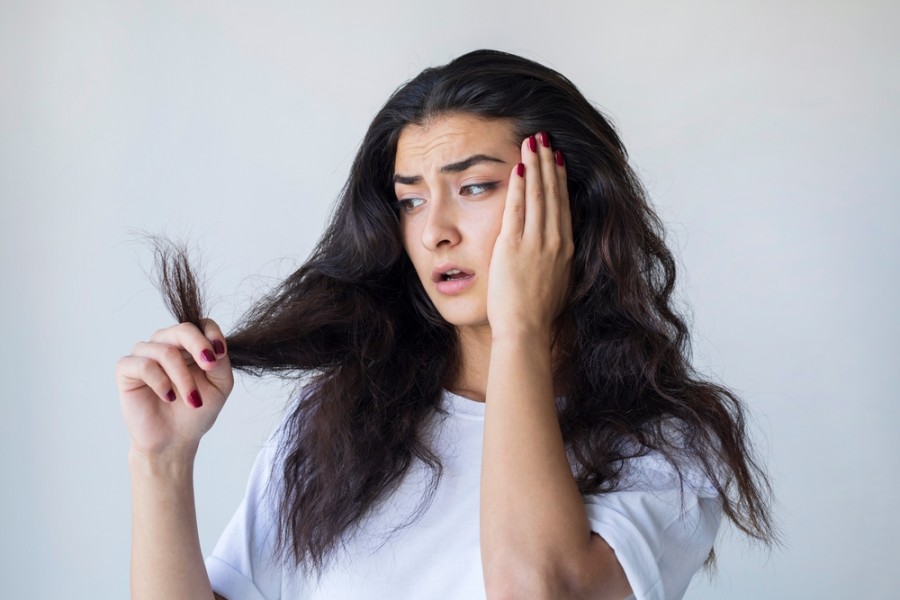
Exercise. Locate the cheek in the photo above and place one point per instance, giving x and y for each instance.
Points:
(407, 233)
(491, 226)
(411, 240)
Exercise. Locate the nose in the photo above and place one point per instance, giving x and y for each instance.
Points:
(441, 226)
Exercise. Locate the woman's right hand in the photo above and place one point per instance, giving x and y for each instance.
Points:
(173, 387)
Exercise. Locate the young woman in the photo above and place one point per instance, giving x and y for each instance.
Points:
(498, 399)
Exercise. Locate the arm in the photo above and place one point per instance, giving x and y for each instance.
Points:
(171, 390)
(166, 561)
(535, 536)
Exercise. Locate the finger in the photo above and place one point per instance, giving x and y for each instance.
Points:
(191, 339)
(137, 371)
(173, 362)
(565, 206)
(549, 177)
(220, 374)
(215, 336)
(534, 189)
(514, 210)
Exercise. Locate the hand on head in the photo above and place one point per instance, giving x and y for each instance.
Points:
(531, 263)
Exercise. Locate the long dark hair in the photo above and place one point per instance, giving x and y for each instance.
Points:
(356, 320)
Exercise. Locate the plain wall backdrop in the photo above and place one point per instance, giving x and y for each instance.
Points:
(766, 133)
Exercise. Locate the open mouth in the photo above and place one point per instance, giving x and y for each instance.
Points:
(450, 273)
(454, 274)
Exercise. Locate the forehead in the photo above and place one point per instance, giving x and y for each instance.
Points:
(450, 138)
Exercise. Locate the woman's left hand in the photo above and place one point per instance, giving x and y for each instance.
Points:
(531, 264)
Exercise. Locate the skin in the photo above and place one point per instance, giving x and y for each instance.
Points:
(455, 218)
(516, 240)
(166, 560)
(513, 235)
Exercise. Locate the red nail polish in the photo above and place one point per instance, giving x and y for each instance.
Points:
(218, 347)
(194, 399)
(559, 158)
(532, 143)
(520, 170)
(170, 396)
(208, 356)
(545, 139)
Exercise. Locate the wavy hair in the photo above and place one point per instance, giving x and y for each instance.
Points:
(357, 321)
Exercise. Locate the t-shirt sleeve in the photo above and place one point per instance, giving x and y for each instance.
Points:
(662, 532)
(243, 566)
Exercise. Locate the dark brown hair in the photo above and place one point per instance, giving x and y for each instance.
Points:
(357, 322)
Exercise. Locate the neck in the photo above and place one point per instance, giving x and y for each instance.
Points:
(474, 358)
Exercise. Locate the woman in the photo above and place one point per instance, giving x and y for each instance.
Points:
(498, 402)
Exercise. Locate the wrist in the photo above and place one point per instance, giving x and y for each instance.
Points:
(172, 464)
(523, 333)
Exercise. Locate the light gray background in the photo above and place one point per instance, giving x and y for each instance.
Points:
(766, 132)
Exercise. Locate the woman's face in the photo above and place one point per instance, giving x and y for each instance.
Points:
(450, 179)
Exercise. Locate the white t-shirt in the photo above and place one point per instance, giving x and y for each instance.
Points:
(661, 536)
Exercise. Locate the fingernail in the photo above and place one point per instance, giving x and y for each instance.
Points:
(520, 169)
(532, 143)
(559, 158)
(170, 396)
(208, 356)
(194, 399)
(219, 347)
(545, 139)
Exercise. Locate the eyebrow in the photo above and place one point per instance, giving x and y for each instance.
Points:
(457, 167)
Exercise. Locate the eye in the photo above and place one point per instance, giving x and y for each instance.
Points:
(476, 189)
(408, 205)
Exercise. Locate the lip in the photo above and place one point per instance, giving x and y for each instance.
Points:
(454, 286)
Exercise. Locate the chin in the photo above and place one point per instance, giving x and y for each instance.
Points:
(465, 320)
(461, 313)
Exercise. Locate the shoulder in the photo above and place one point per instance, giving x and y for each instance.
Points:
(676, 460)
(661, 519)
